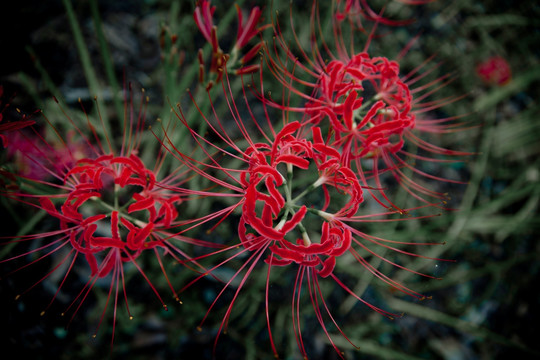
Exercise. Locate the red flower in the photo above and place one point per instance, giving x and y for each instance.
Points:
(494, 71)
(110, 207)
(280, 215)
(299, 209)
(376, 113)
(368, 125)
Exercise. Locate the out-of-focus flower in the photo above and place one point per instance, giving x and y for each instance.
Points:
(11, 126)
(28, 159)
(495, 71)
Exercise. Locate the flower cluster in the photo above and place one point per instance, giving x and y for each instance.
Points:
(297, 192)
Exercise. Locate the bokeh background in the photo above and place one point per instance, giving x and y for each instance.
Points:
(486, 306)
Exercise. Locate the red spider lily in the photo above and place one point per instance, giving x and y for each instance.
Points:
(12, 125)
(300, 206)
(110, 206)
(494, 71)
(375, 112)
(234, 61)
(372, 124)
(281, 213)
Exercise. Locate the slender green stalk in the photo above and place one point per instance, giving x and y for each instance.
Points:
(86, 62)
(107, 58)
(49, 83)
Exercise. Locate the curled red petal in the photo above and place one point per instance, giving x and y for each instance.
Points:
(142, 203)
(92, 262)
(371, 113)
(327, 150)
(93, 219)
(328, 266)
(287, 254)
(108, 242)
(294, 160)
(346, 240)
(273, 261)
(136, 241)
(269, 170)
(110, 262)
(295, 220)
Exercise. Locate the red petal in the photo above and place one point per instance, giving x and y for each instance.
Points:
(295, 220)
(287, 254)
(328, 266)
(135, 242)
(141, 203)
(294, 160)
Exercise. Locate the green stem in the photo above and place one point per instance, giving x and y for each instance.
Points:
(49, 83)
(107, 58)
(310, 188)
(305, 236)
(84, 55)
